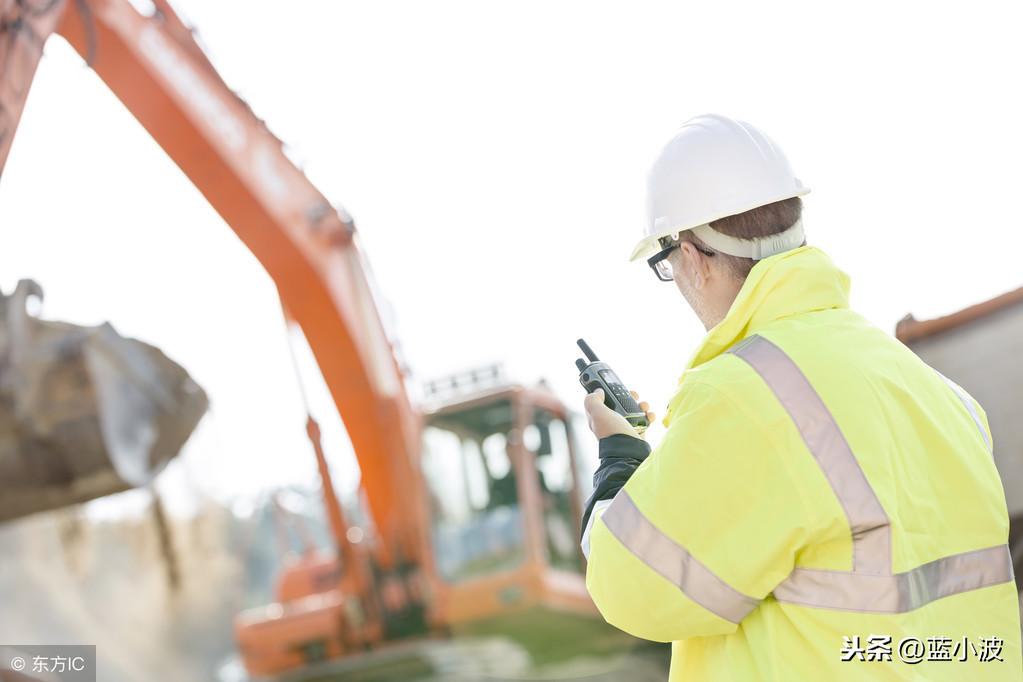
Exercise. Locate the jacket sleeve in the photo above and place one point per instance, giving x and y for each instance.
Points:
(705, 528)
(619, 456)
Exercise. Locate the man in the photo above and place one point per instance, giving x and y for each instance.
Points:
(823, 505)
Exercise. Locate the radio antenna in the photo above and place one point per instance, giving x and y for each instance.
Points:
(587, 351)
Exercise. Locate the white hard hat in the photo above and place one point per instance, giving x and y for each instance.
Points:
(715, 167)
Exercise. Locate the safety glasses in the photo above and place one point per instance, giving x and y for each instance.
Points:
(660, 264)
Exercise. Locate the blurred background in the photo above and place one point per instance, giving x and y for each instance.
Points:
(492, 157)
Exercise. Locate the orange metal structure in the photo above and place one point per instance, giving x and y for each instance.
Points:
(402, 578)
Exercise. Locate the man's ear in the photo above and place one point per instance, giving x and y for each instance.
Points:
(695, 264)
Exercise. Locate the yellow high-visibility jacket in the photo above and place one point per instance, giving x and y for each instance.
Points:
(823, 505)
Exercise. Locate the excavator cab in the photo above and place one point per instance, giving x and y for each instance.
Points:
(506, 482)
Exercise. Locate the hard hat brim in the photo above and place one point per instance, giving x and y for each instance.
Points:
(650, 245)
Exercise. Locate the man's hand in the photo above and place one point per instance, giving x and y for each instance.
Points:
(606, 422)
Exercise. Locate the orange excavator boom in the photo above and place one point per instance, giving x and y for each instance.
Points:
(309, 248)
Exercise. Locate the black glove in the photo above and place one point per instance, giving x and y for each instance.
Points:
(619, 457)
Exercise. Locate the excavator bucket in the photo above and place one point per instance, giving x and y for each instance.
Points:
(84, 412)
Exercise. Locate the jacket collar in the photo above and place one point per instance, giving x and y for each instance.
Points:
(789, 283)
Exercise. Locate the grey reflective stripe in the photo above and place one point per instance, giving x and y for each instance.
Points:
(598, 509)
(669, 559)
(965, 399)
(900, 592)
(871, 535)
(870, 586)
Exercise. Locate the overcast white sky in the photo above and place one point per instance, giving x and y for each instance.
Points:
(493, 155)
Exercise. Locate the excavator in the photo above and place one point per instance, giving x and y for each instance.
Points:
(473, 497)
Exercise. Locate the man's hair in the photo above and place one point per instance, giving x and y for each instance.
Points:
(761, 221)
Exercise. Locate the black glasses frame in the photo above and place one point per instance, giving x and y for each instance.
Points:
(653, 260)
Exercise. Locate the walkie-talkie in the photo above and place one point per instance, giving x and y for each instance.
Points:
(596, 374)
